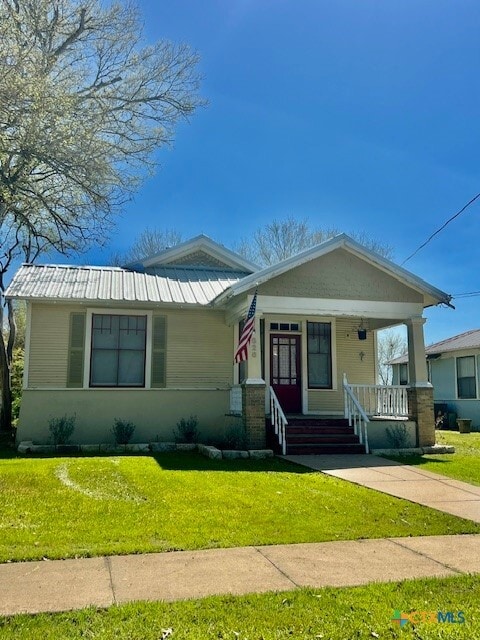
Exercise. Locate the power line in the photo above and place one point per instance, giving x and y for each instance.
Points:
(468, 294)
(441, 228)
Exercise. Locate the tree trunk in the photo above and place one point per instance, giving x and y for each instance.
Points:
(6, 407)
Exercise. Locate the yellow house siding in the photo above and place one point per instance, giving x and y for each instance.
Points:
(359, 369)
(48, 360)
(199, 349)
(340, 275)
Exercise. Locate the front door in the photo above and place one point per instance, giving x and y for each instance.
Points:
(285, 371)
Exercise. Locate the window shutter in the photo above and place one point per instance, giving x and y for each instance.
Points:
(76, 350)
(159, 374)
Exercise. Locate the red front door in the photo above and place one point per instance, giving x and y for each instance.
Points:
(285, 371)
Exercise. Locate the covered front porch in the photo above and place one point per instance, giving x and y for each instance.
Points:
(319, 372)
(314, 348)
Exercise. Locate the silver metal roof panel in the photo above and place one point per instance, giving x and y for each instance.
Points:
(102, 284)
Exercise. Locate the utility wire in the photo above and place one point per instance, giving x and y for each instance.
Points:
(441, 228)
(470, 294)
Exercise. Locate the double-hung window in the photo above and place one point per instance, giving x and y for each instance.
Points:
(118, 350)
(319, 349)
(466, 380)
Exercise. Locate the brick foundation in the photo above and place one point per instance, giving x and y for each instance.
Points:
(420, 409)
(253, 404)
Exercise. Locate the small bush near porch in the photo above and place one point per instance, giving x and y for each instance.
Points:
(86, 506)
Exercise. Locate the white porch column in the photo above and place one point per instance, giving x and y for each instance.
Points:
(254, 361)
(417, 362)
(253, 393)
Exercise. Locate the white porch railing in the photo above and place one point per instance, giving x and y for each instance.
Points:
(382, 400)
(279, 421)
(355, 414)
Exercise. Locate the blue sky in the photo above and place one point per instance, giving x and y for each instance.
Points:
(357, 114)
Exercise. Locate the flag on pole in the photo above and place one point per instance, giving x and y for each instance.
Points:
(241, 353)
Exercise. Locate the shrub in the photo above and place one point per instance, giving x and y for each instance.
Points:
(236, 437)
(122, 431)
(61, 429)
(398, 436)
(187, 430)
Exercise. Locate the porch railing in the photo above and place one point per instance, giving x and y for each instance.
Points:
(279, 421)
(382, 400)
(355, 414)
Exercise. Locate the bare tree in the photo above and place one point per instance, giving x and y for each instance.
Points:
(390, 344)
(148, 243)
(281, 239)
(84, 105)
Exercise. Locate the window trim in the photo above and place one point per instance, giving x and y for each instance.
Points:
(88, 346)
(475, 376)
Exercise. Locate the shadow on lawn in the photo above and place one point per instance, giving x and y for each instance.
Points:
(181, 461)
(416, 460)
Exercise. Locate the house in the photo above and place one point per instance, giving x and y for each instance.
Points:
(155, 342)
(454, 371)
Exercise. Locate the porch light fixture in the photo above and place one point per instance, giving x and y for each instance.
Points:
(362, 332)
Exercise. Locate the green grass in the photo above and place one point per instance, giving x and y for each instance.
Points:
(464, 464)
(86, 506)
(332, 614)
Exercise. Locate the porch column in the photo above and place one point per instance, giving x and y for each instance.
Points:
(420, 391)
(253, 393)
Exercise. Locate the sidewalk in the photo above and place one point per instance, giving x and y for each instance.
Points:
(32, 587)
(400, 480)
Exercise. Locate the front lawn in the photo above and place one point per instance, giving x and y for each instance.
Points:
(464, 464)
(86, 506)
(332, 614)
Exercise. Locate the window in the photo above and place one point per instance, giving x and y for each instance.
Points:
(466, 383)
(403, 373)
(319, 355)
(118, 351)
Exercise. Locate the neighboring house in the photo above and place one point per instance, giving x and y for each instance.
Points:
(155, 342)
(454, 371)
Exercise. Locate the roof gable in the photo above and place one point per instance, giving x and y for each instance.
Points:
(200, 251)
(431, 294)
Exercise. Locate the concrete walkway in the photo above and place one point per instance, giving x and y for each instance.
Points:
(61, 585)
(402, 481)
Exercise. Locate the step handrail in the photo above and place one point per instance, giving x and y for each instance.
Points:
(355, 414)
(278, 420)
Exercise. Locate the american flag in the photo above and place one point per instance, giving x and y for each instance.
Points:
(241, 353)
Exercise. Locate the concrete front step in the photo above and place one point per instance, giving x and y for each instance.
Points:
(294, 421)
(321, 449)
(322, 438)
(311, 429)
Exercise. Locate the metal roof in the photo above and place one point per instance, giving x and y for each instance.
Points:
(467, 340)
(178, 285)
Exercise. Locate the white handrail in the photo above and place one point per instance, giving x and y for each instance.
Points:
(355, 414)
(279, 421)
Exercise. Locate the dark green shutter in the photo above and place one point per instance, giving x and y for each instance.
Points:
(76, 350)
(159, 360)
